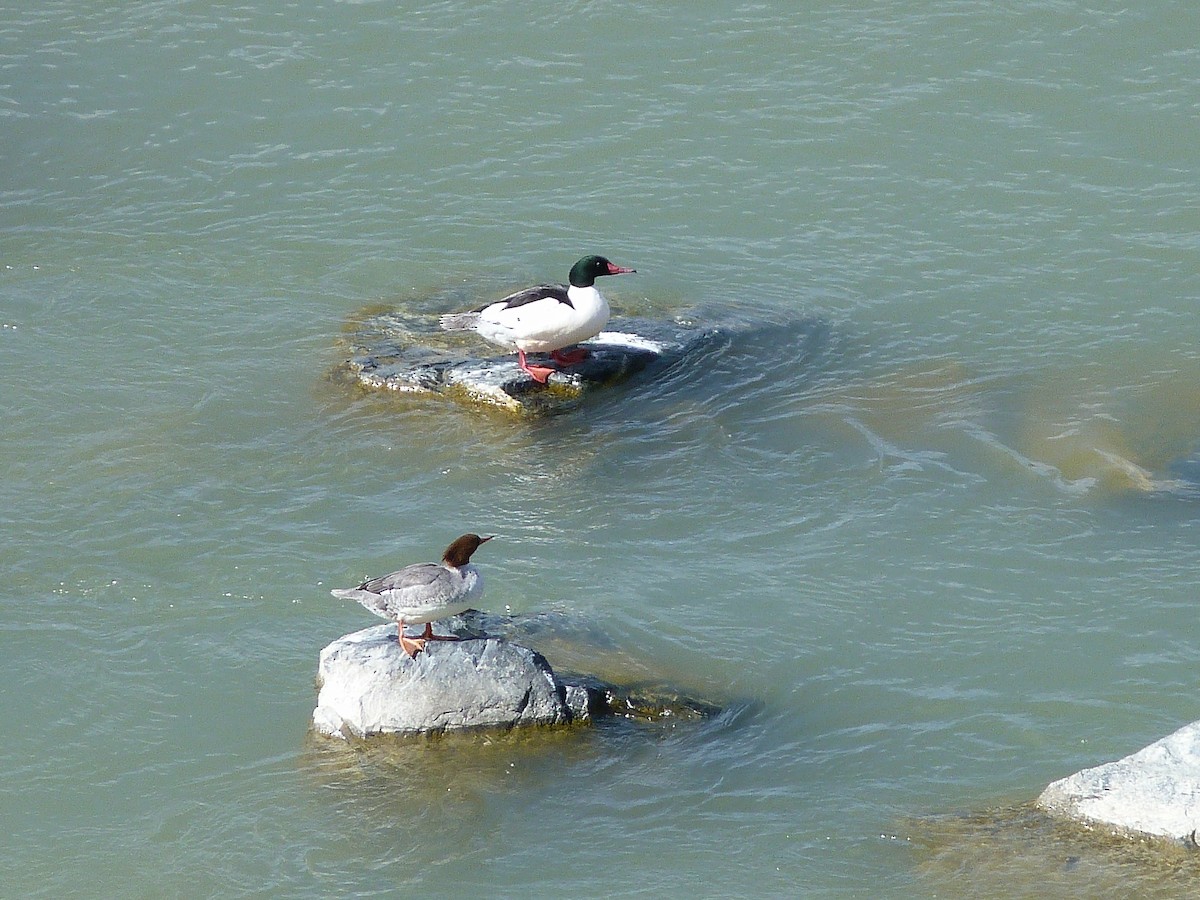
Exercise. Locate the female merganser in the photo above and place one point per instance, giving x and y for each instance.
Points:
(545, 318)
(424, 592)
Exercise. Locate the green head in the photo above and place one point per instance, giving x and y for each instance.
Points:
(585, 272)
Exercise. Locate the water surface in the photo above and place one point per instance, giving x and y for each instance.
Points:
(922, 516)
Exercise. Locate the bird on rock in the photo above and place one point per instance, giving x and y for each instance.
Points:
(545, 318)
(424, 592)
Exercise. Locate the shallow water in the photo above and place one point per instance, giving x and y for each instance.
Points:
(921, 515)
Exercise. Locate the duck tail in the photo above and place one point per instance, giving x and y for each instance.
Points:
(459, 321)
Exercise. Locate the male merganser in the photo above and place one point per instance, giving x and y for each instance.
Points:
(424, 592)
(545, 318)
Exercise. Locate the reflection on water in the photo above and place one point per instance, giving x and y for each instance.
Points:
(417, 776)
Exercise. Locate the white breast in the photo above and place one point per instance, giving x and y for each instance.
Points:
(548, 325)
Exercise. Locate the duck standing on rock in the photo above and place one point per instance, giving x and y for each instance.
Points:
(424, 592)
(545, 318)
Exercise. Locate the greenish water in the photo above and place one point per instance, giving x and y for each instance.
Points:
(923, 518)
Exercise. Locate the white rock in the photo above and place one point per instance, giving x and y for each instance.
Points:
(368, 685)
(1155, 791)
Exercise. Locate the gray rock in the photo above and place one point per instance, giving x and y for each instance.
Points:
(1154, 792)
(407, 354)
(368, 685)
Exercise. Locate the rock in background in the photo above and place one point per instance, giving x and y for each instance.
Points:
(1154, 792)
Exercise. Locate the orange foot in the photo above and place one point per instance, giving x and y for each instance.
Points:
(570, 357)
(540, 374)
(430, 636)
(411, 646)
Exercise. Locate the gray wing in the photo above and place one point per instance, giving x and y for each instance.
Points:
(410, 593)
(420, 576)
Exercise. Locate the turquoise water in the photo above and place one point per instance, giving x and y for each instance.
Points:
(922, 517)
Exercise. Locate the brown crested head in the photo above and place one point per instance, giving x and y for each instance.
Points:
(459, 553)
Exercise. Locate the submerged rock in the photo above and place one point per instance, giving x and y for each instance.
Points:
(409, 355)
(368, 686)
(1154, 792)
